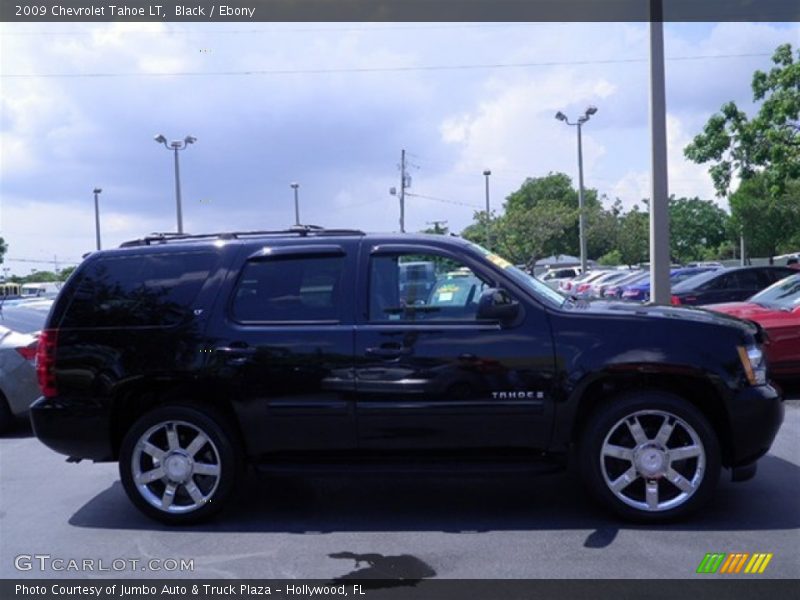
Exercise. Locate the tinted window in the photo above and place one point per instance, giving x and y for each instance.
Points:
(774, 275)
(290, 289)
(749, 280)
(452, 295)
(143, 290)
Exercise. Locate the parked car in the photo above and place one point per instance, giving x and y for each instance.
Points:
(582, 288)
(728, 285)
(570, 285)
(18, 384)
(777, 310)
(599, 285)
(640, 291)
(614, 291)
(184, 357)
(555, 277)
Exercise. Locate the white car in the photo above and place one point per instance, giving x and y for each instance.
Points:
(554, 277)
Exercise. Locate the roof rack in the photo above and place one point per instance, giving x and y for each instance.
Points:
(299, 230)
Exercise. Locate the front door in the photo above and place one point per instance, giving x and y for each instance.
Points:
(430, 375)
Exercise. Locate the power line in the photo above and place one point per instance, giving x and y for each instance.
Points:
(341, 70)
(446, 200)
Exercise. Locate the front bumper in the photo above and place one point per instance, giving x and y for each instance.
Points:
(756, 414)
(77, 429)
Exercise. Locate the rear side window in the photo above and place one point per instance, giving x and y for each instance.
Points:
(290, 290)
(138, 291)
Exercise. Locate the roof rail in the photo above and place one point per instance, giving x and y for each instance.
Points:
(299, 230)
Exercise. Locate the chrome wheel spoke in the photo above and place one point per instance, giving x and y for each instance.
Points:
(651, 494)
(196, 444)
(664, 432)
(150, 476)
(639, 436)
(684, 452)
(679, 481)
(618, 452)
(153, 450)
(194, 491)
(624, 480)
(169, 495)
(206, 469)
(172, 437)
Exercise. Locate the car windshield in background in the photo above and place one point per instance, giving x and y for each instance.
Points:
(529, 282)
(784, 294)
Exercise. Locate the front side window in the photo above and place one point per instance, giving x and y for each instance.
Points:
(449, 291)
(290, 290)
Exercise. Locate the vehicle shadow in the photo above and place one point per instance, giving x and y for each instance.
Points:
(457, 504)
(21, 429)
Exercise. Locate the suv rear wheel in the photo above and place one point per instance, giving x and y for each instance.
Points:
(650, 456)
(179, 464)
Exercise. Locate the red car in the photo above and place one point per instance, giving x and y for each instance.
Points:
(776, 309)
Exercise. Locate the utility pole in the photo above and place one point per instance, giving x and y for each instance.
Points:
(96, 192)
(486, 174)
(294, 185)
(659, 197)
(403, 181)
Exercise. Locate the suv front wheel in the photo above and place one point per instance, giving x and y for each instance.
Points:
(650, 456)
(178, 464)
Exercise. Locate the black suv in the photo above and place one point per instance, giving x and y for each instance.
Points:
(184, 356)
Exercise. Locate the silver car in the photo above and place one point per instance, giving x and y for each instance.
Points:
(18, 384)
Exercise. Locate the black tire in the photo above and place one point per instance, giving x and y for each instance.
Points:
(193, 496)
(655, 481)
(7, 419)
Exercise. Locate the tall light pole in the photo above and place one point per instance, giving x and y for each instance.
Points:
(175, 146)
(294, 185)
(96, 193)
(486, 174)
(590, 110)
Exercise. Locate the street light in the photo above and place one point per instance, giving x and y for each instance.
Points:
(486, 174)
(581, 213)
(96, 193)
(294, 185)
(175, 146)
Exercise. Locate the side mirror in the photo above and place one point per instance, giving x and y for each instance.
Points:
(497, 305)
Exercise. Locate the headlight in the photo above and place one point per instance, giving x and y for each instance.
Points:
(755, 367)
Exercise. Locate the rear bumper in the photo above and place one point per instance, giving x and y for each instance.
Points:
(756, 414)
(77, 429)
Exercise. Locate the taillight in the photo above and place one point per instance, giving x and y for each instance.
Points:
(46, 362)
(27, 352)
(675, 300)
(583, 287)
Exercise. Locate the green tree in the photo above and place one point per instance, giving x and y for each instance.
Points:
(66, 272)
(767, 220)
(611, 259)
(695, 226)
(769, 142)
(634, 237)
(3, 249)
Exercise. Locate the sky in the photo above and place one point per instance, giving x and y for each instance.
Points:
(330, 106)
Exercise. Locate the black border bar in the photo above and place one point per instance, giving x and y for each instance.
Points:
(710, 586)
(397, 10)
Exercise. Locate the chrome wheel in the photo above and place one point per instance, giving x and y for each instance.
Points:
(652, 460)
(176, 467)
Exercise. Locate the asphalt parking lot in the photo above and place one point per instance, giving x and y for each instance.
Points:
(411, 527)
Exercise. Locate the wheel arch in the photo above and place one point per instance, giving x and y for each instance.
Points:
(697, 389)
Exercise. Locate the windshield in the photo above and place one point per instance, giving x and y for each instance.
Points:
(539, 289)
(784, 294)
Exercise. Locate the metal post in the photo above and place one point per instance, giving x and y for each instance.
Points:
(294, 186)
(403, 191)
(486, 174)
(743, 261)
(581, 208)
(659, 197)
(97, 215)
(178, 189)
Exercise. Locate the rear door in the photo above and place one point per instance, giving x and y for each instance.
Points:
(284, 347)
(430, 375)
